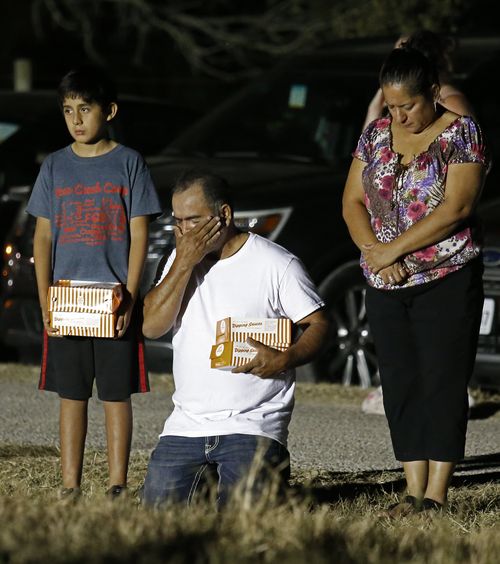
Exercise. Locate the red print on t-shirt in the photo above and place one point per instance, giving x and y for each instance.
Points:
(91, 221)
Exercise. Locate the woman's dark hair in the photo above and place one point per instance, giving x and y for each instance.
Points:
(410, 67)
(215, 188)
(90, 84)
(436, 47)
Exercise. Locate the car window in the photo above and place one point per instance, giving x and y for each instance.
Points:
(147, 126)
(305, 116)
(482, 86)
(7, 130)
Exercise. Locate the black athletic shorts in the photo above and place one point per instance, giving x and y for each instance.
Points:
(71, 364)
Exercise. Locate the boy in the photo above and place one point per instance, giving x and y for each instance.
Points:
(92, 200)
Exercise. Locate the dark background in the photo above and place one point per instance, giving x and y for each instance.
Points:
(196, 52)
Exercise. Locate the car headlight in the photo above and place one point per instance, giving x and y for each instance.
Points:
(267, 223)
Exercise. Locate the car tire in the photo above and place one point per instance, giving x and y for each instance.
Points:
(349, 357)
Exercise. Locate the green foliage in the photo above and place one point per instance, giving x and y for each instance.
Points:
(366, 18)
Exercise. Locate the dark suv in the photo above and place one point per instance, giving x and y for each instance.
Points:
(284, 143)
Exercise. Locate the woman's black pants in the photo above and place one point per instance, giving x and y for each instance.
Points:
(426, 340)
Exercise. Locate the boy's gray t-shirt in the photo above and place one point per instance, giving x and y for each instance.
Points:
(90, 202)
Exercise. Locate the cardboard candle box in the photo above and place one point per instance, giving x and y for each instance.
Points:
(267, 331)
(84, 309)
(231, 354)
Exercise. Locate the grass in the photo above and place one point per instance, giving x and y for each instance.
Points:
(327, 517)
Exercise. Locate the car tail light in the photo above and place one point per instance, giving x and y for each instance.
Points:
(267, 223)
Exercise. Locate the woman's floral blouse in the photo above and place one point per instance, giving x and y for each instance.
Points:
(397, 195)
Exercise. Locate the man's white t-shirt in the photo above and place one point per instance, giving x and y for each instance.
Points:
(261, 280)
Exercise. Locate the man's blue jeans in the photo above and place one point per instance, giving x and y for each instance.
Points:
(179, 465)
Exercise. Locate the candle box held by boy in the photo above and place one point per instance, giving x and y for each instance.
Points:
(84, 309)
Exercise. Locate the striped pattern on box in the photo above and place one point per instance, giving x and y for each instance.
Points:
(91, 297)
(84, 309)
(267, 331)
(232, 354)
(83, 324)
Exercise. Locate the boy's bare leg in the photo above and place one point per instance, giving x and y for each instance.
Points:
(119, 422)
(72, 432)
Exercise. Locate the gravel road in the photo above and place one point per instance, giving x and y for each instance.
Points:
(327, 432)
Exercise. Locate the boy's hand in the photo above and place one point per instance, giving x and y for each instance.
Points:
(51, 331)
(124, 317)
(193, 244)
(267, 363)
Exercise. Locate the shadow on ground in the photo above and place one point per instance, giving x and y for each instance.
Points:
(339, 486)
(484, 410)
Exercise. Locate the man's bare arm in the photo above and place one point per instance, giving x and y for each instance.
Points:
(163, 302)
(270, 363)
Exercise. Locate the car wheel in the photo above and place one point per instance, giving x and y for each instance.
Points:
(349, 356)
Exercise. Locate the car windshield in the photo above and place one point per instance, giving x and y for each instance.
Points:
(311, 115)
(7, 130)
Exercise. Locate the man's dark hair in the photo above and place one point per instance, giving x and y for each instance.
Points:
(411, 68)
(215, 188)
(89, 83)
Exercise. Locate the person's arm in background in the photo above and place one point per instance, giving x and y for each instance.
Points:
(375, 108)
(42, 254)
(455, 101)
(139, 228)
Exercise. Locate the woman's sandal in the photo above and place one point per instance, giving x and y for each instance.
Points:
(429, 504)
(408, 506)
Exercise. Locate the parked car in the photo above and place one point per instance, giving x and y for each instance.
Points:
(284, 143)
(487, 373)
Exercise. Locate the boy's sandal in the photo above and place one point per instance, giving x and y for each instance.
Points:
(116, 491)
(68, 496)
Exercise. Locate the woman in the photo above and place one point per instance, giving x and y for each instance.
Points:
(439, 49)
(409, 206)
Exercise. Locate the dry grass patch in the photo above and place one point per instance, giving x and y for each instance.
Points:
(16, 372)
(328, 517)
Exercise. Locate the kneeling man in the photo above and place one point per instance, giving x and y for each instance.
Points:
(223, 419)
